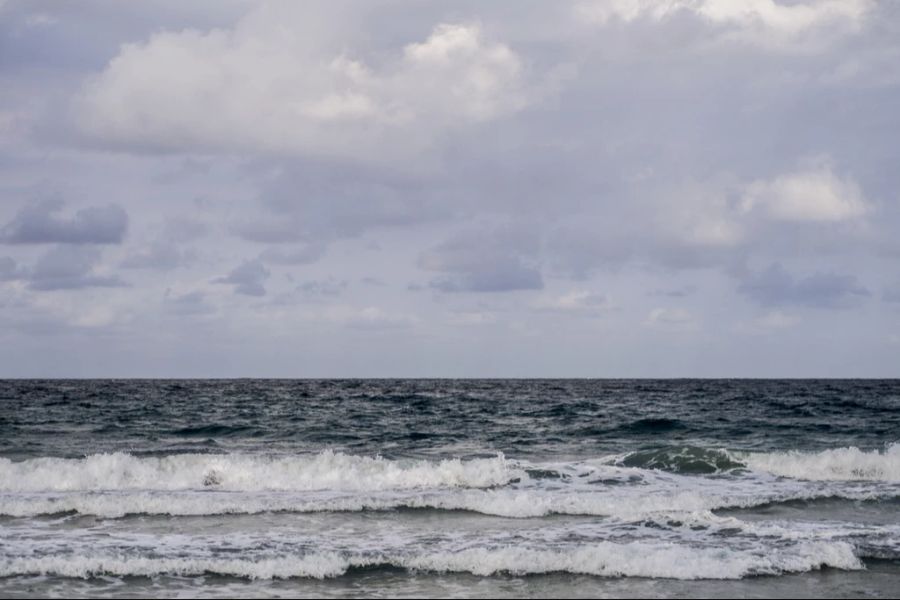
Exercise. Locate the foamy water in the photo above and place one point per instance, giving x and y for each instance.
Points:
(656, 501)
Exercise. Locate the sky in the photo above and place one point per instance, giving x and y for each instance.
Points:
(594, 188)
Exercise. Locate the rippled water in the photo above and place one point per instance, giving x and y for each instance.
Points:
(462, 488)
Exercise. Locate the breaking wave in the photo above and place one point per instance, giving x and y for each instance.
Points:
(634, 484)
(235, 472)
(606, 559)
(839, 464)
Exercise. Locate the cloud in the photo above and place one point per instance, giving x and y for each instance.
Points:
(763, 22)
(188, 304)
(38, 223)
(313, 203)
(247, 278)
(326, 287)
(9, 270)
(679, 292)
(369, 318)
(771, 321)
(677, 318)
(181, 230)
(264, 87)
(158, 255)
(577, 302)
(814, 195)
(303, 255)
(889, 294)
(64, 268)
(776, 287)
(485, 261)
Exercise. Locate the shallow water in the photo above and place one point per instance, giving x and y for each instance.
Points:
(450, 488)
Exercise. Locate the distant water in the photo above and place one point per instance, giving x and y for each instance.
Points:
(450, 488)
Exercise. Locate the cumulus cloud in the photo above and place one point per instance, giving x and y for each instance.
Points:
(814, 195)
(768, 22)
(65, 268)
(247, 278)
(39, 223)
(328, 143)
(485, 261)
(775, 286)
(262, 87)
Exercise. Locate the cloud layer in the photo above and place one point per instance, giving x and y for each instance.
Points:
(585, 188)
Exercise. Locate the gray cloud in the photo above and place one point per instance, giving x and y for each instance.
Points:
(158, 255)
(776, 287)
(247, 278)
(326, 287)
(9, 270)
(652, 154)
(485, 261)
(38, 223)
(890, 294)
(318, 202)
(64, 268)
(680, 292)
(190, 304)
(181, 230)
(300, 254)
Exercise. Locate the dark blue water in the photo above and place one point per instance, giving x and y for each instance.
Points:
(450, 487)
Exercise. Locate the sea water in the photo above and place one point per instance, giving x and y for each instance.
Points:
(450, 488)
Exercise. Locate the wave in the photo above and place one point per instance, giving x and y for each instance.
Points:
(839, 464)
(626, 486)
(685, 459)
(605, 559)
(515, 503)
(234, 472)
(335, 471)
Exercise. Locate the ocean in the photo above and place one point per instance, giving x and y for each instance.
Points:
(456, 488)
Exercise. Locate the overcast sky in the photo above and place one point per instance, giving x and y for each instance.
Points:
(597, 188)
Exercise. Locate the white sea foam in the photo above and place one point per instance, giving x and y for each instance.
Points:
(632, 502)
(671, 561)
(839, 464)
(114, 485)
(607, 559)
(235, 472)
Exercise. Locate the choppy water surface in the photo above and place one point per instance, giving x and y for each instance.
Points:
(451, 488)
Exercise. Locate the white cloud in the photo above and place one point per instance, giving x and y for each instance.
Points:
(700, 214)
(261, 87)
(815, 194)
(678, 318)
(766, 22)
(579, 302)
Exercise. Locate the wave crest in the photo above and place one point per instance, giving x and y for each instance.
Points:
(605, 559)
(326, 470)
(839, 464)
